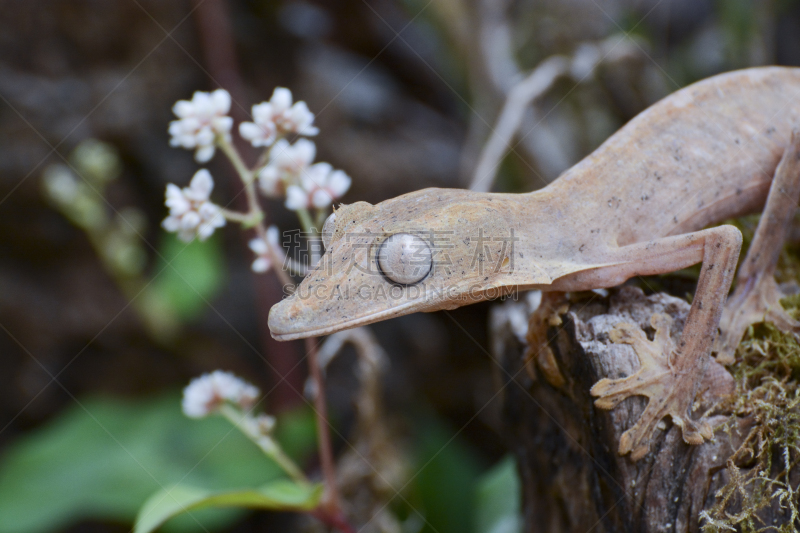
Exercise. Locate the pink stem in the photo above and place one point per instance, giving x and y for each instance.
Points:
(337, 520)
(331, 504)
(216, 40)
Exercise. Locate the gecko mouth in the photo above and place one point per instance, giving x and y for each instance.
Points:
(283, 328)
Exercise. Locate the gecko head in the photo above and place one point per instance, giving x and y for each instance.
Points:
(424, 251)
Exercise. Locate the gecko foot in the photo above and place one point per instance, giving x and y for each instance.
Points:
(670, 392)
(539, 354)
(752, 302)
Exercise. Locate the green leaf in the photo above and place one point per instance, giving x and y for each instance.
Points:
(279, 495)
(497, 499)
(104, 458)
(188, 275)
(297, 433)
(445, 484)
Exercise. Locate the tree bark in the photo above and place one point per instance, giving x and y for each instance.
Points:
(573, 478)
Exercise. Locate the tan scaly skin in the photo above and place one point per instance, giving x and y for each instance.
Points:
(636, 206)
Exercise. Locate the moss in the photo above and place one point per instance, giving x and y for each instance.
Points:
(764, 471)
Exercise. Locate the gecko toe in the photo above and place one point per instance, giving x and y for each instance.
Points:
(670, 393)
(611, 393)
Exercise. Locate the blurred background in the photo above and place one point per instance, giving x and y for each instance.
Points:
(100, 329)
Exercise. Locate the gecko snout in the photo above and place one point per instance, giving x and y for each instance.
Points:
(283, 319)
(294, 318)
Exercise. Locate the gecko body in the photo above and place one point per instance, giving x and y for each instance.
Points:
(636, 206)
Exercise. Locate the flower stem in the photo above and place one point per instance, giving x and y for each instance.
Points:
(337, 521)
(263, 159)
(312, 234)
(255, 214)
(273, 451)
(305, 220)
(322, 214)
(323, 433)
(320, 406)
(246, 219)
(229, 150)
(247, 425)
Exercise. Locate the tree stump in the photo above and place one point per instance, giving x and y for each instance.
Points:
(573, 478)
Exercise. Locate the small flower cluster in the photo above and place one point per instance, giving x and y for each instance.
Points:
(200, 121)
(233, 398)
(290, 172)
(287, 162)
(206, 394)
(278, 117)
(319, 186)
(191, 213)
(287, 170)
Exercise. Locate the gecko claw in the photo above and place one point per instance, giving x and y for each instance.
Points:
(670, 393)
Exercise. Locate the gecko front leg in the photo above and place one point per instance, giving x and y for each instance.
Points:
(670, 374)
(756, 298)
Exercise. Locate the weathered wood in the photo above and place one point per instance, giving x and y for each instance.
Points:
(573, 478)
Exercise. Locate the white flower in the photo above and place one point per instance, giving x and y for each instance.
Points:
(287, 162)
(206, 394)
(200, 120)
(261, 247)
(262, 131)
(276, 118)
(319, 186)
(191, 213)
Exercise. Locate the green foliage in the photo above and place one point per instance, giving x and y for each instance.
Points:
(739, 20)
(103, 459)
(497, 499)
(452, 491)
(297, 433)
(187, 275)
(447, 470)
(282, 495)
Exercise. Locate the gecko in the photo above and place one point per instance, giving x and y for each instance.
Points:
(643, 203)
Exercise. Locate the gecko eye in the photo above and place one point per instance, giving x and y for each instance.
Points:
(404, 258)
(327, 229)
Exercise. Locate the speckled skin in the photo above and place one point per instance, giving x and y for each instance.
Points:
(633, 207)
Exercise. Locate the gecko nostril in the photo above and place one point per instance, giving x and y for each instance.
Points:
(282, 317)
